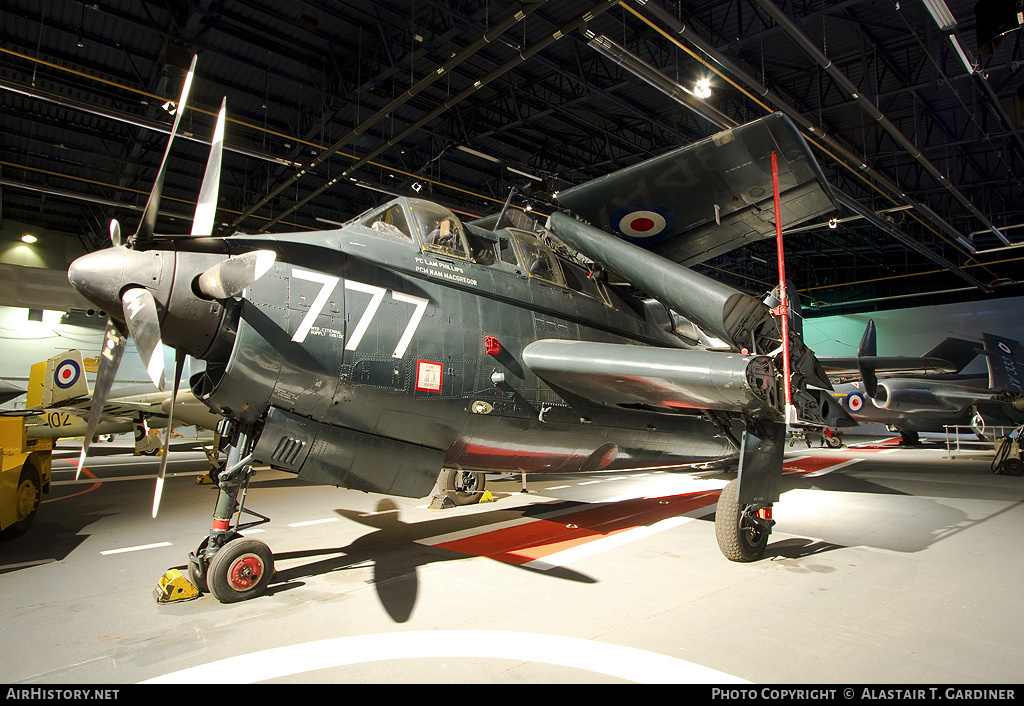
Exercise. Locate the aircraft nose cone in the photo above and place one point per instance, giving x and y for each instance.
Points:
(102, 276)
(97, 277)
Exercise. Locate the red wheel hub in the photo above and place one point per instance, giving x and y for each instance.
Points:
(245, 572)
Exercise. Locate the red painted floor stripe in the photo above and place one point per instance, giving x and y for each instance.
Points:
(527, 542)
(812, 464)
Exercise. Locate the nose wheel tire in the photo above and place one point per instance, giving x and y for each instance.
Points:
(240, 570)
(740, 534)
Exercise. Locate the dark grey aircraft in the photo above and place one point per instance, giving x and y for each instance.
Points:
(408, 344)
(912, 395)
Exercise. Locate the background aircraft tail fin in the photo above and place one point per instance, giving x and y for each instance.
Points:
(868, 342)
(57, 380)
(868, 348)
(1005, 359)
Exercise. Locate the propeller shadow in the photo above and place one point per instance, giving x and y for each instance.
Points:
(395, 551)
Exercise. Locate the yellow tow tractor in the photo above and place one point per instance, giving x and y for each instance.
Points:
(24, 476)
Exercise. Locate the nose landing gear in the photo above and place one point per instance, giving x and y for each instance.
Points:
(232, 567)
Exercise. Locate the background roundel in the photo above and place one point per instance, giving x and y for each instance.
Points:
(855, 401)
(1005, 348)
(66, 374)
(644, 222)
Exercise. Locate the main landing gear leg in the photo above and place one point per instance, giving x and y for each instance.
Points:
(743, 519)
(227, 564)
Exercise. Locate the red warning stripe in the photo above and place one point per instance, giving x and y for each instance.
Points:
(525, 543)
(813, 464)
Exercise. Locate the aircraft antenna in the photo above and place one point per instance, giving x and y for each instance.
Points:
(504, 209)
(783, 309)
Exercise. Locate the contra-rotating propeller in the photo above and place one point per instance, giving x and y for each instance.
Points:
(141, 311)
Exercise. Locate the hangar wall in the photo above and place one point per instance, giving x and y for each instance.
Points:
(916, 330)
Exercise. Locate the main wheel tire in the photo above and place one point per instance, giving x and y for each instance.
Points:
(240, 570)
(462, 487)
(833, 442)
(27, 497)
(738, 539)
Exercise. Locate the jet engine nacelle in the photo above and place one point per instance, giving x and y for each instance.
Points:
(911, 397)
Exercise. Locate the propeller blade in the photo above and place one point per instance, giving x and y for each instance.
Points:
(110, 357)
(179, 363)
(206, 208)
(142, 317)
(148, 223)
(115, 232)
(229, 277)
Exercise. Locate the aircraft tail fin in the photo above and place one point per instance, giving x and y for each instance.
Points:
(57, 380)
(868, 348)
(868, 342)
(957, 351)
(1005, 359)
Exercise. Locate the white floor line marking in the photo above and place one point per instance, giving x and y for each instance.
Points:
(313, 522)
(558, 487)
(90, 481)
(136, 549)
(626, 663)
(589, 482)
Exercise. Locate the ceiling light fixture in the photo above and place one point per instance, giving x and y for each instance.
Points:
(702, 89)
(481, 155)
(941, 14)
(528, 176)
(28, 238)
(962, 54)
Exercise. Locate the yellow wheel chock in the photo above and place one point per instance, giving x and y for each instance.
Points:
(173, 587)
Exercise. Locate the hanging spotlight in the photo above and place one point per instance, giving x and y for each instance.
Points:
(28, 238)
(702, 89)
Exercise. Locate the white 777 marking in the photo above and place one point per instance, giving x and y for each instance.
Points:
(329, 282)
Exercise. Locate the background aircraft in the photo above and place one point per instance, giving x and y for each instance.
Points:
(58, 401)
(406, 342)
(912, 395)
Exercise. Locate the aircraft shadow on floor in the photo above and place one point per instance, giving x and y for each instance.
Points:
(395, 551)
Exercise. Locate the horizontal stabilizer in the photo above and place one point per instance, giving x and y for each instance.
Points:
(710, 197)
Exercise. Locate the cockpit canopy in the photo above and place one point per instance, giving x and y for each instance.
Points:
(434, 227)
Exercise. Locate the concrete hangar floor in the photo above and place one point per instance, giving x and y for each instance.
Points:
(887, 565)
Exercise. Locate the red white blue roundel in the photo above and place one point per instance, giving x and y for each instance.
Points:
(855, 401)
(644, 222)
(1005, 348)
(66, 374)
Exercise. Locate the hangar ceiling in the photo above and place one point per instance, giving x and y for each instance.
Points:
(335, 105)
